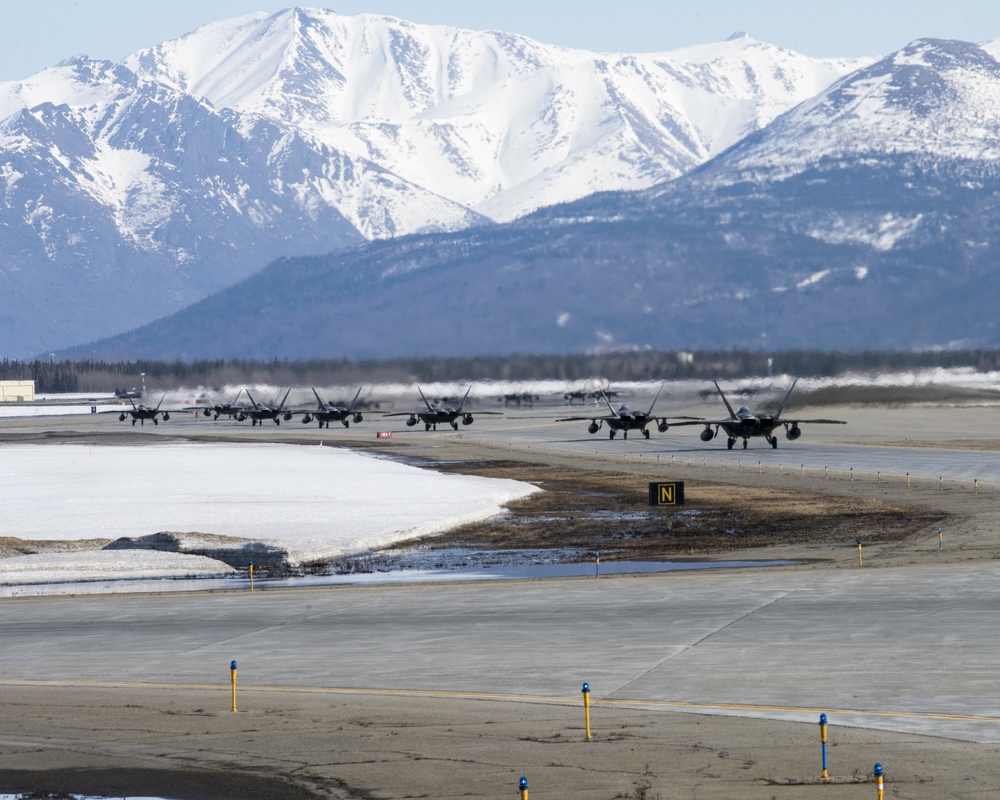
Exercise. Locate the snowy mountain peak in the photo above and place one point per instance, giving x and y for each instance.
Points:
(933, 98)
(493, 121)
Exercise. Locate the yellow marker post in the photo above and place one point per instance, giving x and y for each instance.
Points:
(907, 480)
(878, 781)
(586, 707)
(822, 737)
(232, 670)
(523, 786)
(861, 562)
(940, 540)
(251, 576)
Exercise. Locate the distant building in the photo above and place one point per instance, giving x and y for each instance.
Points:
(17, 391)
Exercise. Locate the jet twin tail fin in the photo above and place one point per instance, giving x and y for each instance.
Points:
(785, 401)
(606, 400)
(650, 412)
(729, 408)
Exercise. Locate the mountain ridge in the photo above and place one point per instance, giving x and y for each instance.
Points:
(862, 247)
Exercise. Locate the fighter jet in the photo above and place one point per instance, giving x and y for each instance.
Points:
(326, 413)
(625, 420)
(743, 423)
(140, 413)
(223, 409)
(434, 414)
(258, 412)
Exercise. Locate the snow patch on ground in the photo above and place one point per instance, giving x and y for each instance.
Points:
(313, 502)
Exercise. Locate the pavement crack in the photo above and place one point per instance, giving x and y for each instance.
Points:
(712, 634)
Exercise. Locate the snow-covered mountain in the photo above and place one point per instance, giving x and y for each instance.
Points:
(884, 157)
(866, 217)
(493, 121)
(130, 190)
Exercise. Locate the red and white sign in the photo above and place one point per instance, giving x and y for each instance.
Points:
(383, 435)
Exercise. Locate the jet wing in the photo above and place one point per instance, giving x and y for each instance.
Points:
(784, 421)
(592, 418)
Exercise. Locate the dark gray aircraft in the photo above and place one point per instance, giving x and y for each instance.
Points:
(625, 420)
(140, 413)
(258, 412)
(435, 414)
(326, 413)
(224, 409)
(743, 423)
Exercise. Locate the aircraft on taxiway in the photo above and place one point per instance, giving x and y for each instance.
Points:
(625, 420)
(326, 413)
(258, 412)
(743, 423)
(140, 413)
(435, 414)
(223, 409)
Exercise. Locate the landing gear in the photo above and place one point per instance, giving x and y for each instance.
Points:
(774, 442)
(745, 443)
(730, 442)
(645, 433)
(611, 434)
(427, 426)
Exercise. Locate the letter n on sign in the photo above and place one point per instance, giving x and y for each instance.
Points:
(666, 494)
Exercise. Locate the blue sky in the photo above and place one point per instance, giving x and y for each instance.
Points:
(39, 33)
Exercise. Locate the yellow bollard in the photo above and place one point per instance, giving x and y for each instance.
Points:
(878, 781)
(251, 576)
(907, 480)
(822, 738)
(860, 562)
(523, 786)
(232, 670)
(586, 707)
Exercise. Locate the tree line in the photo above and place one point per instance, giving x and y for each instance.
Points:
(51, 376)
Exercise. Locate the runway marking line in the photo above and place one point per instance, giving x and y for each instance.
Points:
(515, 698)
